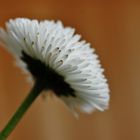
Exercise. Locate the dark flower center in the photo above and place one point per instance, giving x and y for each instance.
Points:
(47, 76)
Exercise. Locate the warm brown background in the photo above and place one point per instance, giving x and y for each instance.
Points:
(114, 30)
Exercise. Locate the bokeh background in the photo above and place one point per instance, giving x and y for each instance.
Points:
(113, 28)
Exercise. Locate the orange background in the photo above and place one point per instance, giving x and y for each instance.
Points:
(113, 28)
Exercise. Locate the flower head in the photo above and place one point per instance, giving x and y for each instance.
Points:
(58, 59)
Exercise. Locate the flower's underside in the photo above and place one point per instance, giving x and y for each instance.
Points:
(47, 76)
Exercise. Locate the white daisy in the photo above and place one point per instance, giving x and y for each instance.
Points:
(59, 60)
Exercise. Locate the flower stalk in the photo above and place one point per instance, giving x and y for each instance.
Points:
(36, 90)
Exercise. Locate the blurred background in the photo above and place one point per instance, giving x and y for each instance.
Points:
(113, 28)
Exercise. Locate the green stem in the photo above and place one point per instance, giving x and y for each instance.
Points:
(37, 88)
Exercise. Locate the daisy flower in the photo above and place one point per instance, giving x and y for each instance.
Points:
(59, 60)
